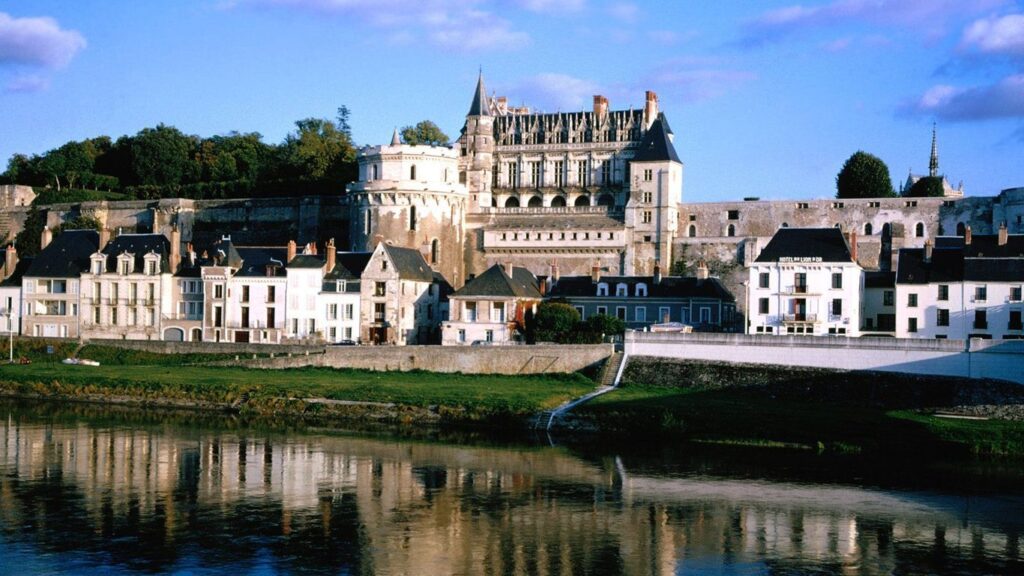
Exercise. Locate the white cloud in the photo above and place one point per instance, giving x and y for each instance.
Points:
(552, 92)
(1004, 99)
(552, 6)
(37, 42)
(1003, 35)
(27, 83)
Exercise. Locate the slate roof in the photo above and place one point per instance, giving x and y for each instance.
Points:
(495, 282)
(138, 245)
(987, 246)
(946, 266)
(679, 287)
(19, 270)
(349, 266)
(67, 256)
(409, 263)
(656, 146)
(255, 259)
(479, 107)
(306, 261)
(879, 279)
(828, 244)
(228, 253)
(983, 260)
(994, 270)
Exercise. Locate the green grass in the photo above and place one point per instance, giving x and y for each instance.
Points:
(754, 416)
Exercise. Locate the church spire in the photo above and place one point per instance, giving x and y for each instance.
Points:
(480, 106)
(933, 164)
(396, 140)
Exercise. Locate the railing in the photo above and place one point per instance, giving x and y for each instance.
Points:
(178, 316)
(799, 318)
(795, 289)
(978, 325)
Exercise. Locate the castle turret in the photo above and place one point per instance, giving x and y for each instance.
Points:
(652, 211)
(477, 148)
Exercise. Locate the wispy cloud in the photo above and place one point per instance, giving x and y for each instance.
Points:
(925, 15)
(37, 42)
(696, 79)
(27, 83)
(458, 25)
(995, 35)
(1003, 99)
(552, 6)
(551, 91)
(624, 11)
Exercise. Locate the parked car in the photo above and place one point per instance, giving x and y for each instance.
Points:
(344, 343)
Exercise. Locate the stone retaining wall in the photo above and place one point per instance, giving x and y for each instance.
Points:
(162, 347)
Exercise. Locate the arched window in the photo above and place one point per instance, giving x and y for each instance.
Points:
(535, 202)
(512, 202)
(641, 290)
(621, 290)
(961, 229)
(412, 217)
(868, 229)
(435, 251)
(582, 201)
(602, 289)
(919, 230)
(692, 231)
(785, 224)
(731, 230)
(558, 202)
(412, 172)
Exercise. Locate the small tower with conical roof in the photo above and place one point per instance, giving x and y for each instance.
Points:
(477, 148)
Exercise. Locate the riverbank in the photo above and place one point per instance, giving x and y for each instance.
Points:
(804, 408)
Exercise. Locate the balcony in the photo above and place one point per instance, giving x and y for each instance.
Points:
(796, 289)
(980, 325)
(800, 319)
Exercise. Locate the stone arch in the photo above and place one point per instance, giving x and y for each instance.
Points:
(919, 230)
(961, 229)
(512, 202)
(558, 202)
(582, 200)
(692, 231)
(197, 334)
(868, 229)
(174, 335)
(535, 202)
(606, 200)
(730, 230)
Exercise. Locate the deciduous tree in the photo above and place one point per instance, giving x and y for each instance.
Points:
(864, 176)
(425, 132)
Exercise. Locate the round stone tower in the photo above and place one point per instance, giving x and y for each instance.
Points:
(477, 148)
(410, 196)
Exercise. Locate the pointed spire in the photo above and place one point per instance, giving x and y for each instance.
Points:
(396, 140)
(480, 106)
(933, 164)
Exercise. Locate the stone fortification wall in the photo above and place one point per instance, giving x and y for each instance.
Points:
(161, 347)
(977, 359)
(468, 360)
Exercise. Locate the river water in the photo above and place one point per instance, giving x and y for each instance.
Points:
(87, 490)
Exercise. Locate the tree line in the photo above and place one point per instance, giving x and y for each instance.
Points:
(866, 176)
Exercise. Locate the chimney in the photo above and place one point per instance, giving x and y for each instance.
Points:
(600, 106)
(104, 237)
(543, 287)
(554, 273)
(702, 270)
(175, 257)
(927, 251)
(47, 236)
(312, 248)
(291, 251)
(508, 268)
(853, 245)
(650, 109)
(657, 273)
(1003, 234)
(595, 272)
(967, 236)
(332, 255)
(10, 260)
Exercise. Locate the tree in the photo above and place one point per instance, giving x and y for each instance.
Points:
(864, 176)
(425, 132)
(553, 322)
(78, 223)
(927, 187)
(605, 325)
(161, 156)
(319, 149)
(27, 241)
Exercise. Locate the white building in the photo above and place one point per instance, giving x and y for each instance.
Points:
(805, 281)
(10, 290)
(50, 285)
(400, 298)
(338, 301)
(491, 307)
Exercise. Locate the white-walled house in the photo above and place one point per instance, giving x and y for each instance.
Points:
(963, 287)
(491, 307)
(50, 284)
(10, 290)
(805, 281)
(305, 275)
(338, 301)
(400, 297)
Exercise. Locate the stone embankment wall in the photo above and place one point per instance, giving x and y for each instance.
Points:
(467, 360)
(998, 359)
(162, 347)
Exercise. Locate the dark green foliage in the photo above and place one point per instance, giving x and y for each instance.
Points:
(927, 187)
(864, 176)
(160, 156)
(604, 324)
(45, 196)
(425, 132)
(79, 223)
(27, 241)
(553, 322)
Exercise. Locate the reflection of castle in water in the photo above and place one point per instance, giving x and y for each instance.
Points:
(402, 508)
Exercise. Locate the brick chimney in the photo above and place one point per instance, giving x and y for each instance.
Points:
(595, 272)
(46, 238)
(312, 248)
(508, 268)
(600, 106)
(175, 258)
(853, 244)
(104, 237)
(554, 273)
(1003, 234)
(967, 236)
(10, 260)
(927, 251)
(332, 255)
(657, 273)
(650, 108)
(702, 270)
(291, 250)
(542, 286)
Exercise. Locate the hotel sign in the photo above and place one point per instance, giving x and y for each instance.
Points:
(800, 259)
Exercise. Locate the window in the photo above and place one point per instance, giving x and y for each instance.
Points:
(868, 229)
(664, 314)
(349, 311)
(981, 319)
(943, 292)
(579, 309)
(489, 335)
(245, 293)
(245, 316)
(271, 294)
(731, 230)
(800, 282)
(513, 174)
(733, 214)
(271, 318)
(378, 312)
(887, 298)
(559, 173)
(1015, 293)
(648, 197)
(462, 335)
(1015, 320)
(942, 317)
(603, 310)
(980, 293)
(645, 217)
(762, 305)
(332, 311)
(621, 290)
(97, 267)
(123, 267)
(606, 172)
(602, 289)
(640, 314)
(837, 306)
(648, 175)
(912, 300)
(498, 312)
(582, 176)
(412, 217)
(470, 311)
(379, 288)
(837, 280)
(218, 291)
(620, 313)
(641, 290)
(838, 204)
(412, 172)
(151, 268)
(912, 325)
(919, 230)
(535, 174)
(692, 231)
(762, 280)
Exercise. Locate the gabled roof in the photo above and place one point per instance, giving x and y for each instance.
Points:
(495, 282)
(19, 270)
(987, 246)
(826, 244)
(679, 287)
(255, 259)
(306, 261)
(656, 145)
(226, 251)
(946, 266)
(67, 255)
(994, 270)
(348, 266)
(138, 245)
(879, 279)
(409, 263)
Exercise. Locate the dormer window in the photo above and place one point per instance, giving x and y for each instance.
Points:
(602, 289)
(124, 266)
(621, 290)
(97, 266)
(151, 267)
(641, 290)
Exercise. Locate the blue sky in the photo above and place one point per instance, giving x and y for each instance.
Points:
(766, 98)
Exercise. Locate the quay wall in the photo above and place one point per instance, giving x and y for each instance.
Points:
(966, 359)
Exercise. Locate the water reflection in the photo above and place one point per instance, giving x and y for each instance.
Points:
(82, 494)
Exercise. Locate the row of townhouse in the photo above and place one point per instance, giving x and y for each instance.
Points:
(83, 284)
(807, 281)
